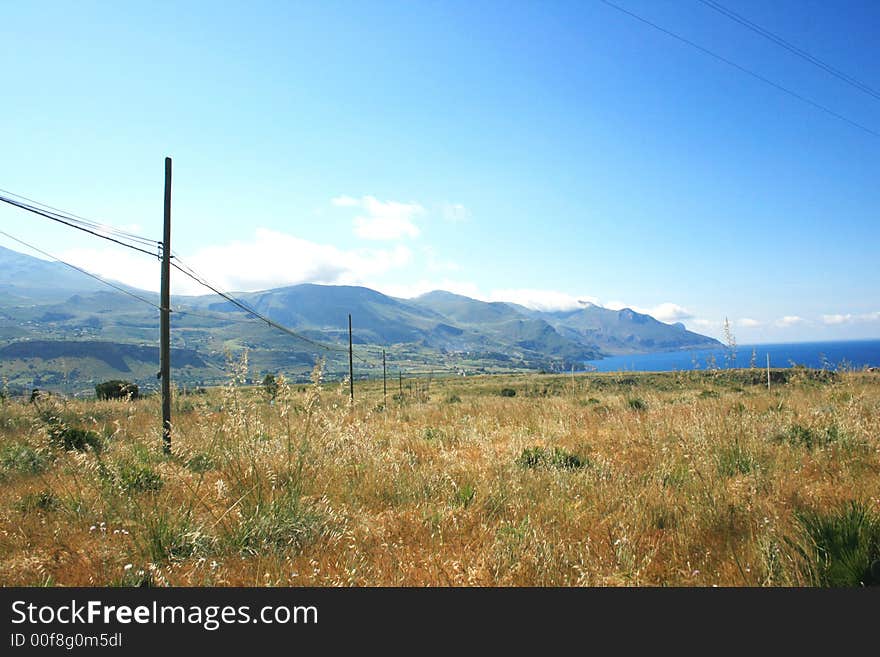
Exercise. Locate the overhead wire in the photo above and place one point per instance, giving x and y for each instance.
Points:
(778, 40)
(82, 271)
(743, 69)
(84, 220)
(74, 224)
(122, 238)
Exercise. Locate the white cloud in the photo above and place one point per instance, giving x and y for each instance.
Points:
(544, 300)
(269, 259)
(382, 220)
(790, 320)
(411, 290)
(455, 212)
(703, 324)
(666, 312)
(345, 202)
(747, 322)
(435, 264)
(833, 320)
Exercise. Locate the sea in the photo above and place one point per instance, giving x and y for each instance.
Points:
(849, 354)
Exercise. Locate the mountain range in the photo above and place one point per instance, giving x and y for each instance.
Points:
(60, 328)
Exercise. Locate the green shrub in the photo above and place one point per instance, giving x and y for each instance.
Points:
(453, 399)
(165, 536)
(137, 478)
(43, 500)
(508, 392)
(536, 457)
(637, 404)
(276, 525)
(465, 495)
(270, 386)
(841, 548)
(676, 477)
(74, 438)
(116, 389)
(21, 457)
(800, 436)
(200, 463)
(734, 460)
(432, 433)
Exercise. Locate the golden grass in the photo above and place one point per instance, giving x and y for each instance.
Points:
(699, 487)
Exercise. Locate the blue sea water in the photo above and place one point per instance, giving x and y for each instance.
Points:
(851, 354)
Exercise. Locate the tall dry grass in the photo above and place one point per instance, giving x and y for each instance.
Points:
(680, 479)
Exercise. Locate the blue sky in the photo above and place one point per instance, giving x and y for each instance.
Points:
(525, 151)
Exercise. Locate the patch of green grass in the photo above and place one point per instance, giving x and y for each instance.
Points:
(841, 548)
(169, 535)
(539, 457)
(138, 478)
(453, 399)
(433, 433)
(200, 463)
(798, 435)
(75, 438)
(278, 525)
(676, 477)
(508, 392)
(22, 458)
(465, 494)
(637, 404)
(734, 460)
(43, 500)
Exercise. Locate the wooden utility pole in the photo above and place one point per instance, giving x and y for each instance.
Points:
(165, 316)
(768, 370)
(350, 362)
(384, 381)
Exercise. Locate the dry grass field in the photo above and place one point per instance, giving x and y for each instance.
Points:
(676, 479)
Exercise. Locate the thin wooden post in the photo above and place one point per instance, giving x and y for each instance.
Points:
(350, 362)
(400, 381)
(384, 381)
(768, 370)
(165, 316)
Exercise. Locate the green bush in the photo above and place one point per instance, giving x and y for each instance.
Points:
(21, 457)
(508, 392)
(277, 525)
(800, 436)
(116, 389)
(43, 500)
(137, 478)
(453, 399)
(537, 457)
(841, 548)
(270, 386)
(432, 433)
(734, 460)
(74, 438)
(637, 404)
(200, 463)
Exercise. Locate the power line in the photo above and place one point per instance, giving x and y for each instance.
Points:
(767, 34)
(757, 76)
(191, 273)
(256, 315)
(72, 224)
(84, 220)
(82, 271)
(91, 227)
